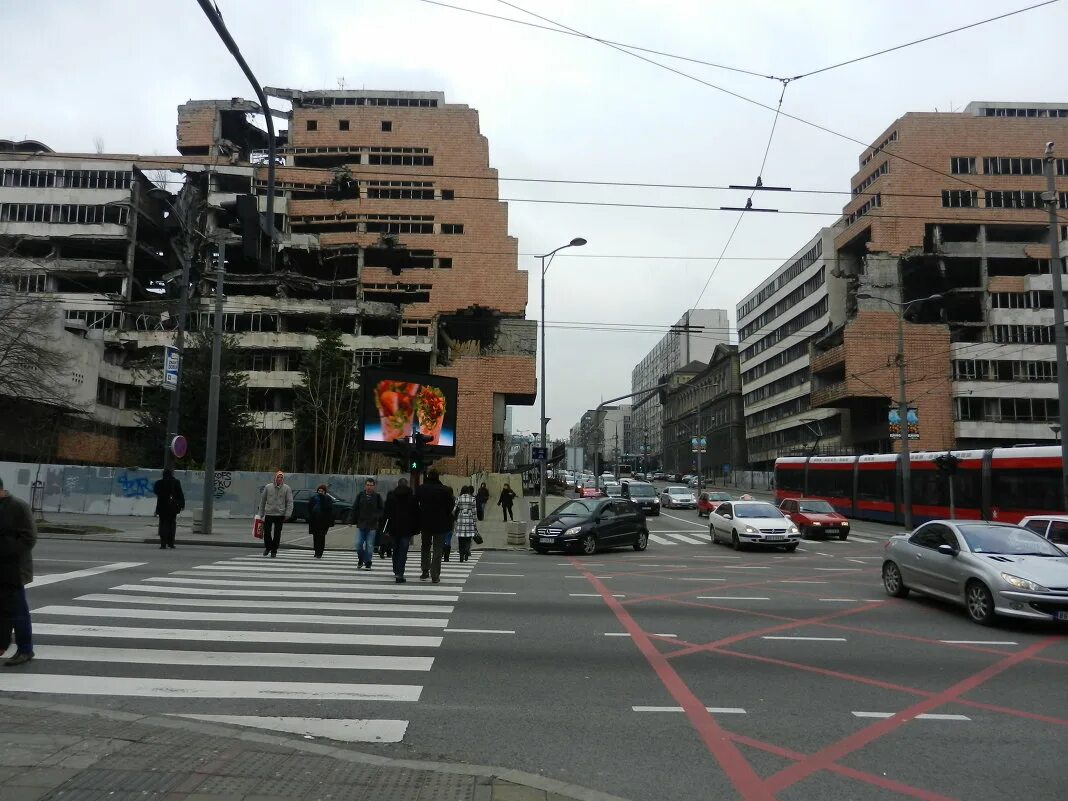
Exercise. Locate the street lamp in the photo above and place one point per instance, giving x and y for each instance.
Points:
(902, 401)
(577, 242)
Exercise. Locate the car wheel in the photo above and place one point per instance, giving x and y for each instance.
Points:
(642, 541)
(589, 545)
(735, 542)
(980, 603)
(712, 534)
(791, 548)
(892, 581)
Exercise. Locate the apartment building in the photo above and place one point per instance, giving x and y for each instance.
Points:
(388, 227)
(693, 338)
(950, 205)
(777, 322)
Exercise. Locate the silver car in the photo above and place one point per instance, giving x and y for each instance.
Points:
(990, 568)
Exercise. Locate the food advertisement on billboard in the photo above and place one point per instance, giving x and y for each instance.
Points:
(395, 405)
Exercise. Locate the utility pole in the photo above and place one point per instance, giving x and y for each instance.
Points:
(185, 254)
(903, 426)
(1049, 199)
(213, 394)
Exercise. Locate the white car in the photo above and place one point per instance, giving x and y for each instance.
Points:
(1053, 527)
(675, 497)
(743, 523)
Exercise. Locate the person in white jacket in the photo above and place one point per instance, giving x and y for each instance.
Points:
(276, 506)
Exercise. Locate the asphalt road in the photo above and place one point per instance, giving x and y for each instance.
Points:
(599, 671)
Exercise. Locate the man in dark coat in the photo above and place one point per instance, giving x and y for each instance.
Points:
(320, 518)
(435, 521)
(169, 503)
(481, 499)
(17, 538)
(400, 521)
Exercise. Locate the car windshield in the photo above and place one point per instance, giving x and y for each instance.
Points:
(678, 491)
(577, 509)
(1008, 541)
(719, 496)
(756, 510)
(641, 491)
(816, 507)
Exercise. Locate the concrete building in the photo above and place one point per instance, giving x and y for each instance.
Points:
(693, 338)
(705, 400)
(612, 436)
(385, 231)
(950, 204)
(777, 322)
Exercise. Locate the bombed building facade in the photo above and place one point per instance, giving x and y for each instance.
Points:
(388, 229)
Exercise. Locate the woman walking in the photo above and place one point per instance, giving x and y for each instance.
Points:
(481, 499)
(320, 518)
(465, 526)
(505, 502)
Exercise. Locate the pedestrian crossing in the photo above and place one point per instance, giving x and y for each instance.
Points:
(687, 538)
(292, 644)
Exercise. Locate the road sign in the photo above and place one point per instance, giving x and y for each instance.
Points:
(172, 362)
(179, 447)
(539, 453)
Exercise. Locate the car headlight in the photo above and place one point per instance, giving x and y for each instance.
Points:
(817, 523)
(751, 530)
(793, 530)
(1022, 583)
(574, 530)
(845, 523)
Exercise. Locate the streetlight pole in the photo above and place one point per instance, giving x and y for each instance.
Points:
(1049, 199)
(577, 242)
(902, 401)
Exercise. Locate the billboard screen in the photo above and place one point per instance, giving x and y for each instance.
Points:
(396, 404)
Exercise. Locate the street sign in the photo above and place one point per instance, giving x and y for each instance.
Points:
(172, 361)
(538, 454)
(179, 447)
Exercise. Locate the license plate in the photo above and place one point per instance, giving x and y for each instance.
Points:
(1061, 616)
(774, 537)
(546, 540)
(830, 531)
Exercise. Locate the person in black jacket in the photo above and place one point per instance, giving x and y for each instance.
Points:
(435, 521)
(320, 518)
(18, 535)
(505, 502)
(481, 499)
(400, 521)
(169, 503)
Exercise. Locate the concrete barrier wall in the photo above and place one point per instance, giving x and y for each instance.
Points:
(128, 491)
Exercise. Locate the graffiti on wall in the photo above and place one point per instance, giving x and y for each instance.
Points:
(223, 479)
(133, 487)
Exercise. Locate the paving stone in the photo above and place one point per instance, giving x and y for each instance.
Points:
(41, 777)
(143, 781)
(229, 786)
(14, 793)
(446, 787)
(505, 791)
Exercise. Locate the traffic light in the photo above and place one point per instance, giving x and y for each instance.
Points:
(245, 221)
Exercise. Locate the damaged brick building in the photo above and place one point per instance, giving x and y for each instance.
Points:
(388, 225)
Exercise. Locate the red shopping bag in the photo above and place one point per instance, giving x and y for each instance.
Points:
(257, 527)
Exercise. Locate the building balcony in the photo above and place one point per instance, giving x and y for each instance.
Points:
(825, 360)
(842, 394)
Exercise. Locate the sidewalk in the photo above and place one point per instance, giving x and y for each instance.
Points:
(50, 752)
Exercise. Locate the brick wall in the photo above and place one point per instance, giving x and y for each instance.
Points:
(196, 126)
(83, 447)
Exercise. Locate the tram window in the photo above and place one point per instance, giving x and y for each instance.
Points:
(1035, 489)
(876, 485)
(929, 488)
(830, 483)
(790, 480)
(968, 489)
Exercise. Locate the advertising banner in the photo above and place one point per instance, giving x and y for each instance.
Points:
(397, 404)
(894, 418)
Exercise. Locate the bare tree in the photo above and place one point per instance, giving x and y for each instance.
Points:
(98, 143)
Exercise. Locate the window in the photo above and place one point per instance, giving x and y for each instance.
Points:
(452, 228)
(1012, 199)
(874, 202)
(959, 198)
(387, 125)
(824, 482)
(1012, 166)
(1058, 532)
(342, 125)
(930, 536)
(313, 125)
(1036, 334)
(962, 165)
(876, 483)
(445, 263)
(1035, 489)
(447, 194)
(881, 170)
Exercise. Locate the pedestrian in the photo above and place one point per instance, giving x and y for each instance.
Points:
(465, 528)
(435, 521)
(320, 518)
(276, 506)
(170, 501)
(481, 499)
(505, 502)
(366, 512)
(400, 520)
(17, 538)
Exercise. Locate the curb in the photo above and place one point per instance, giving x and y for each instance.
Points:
(533, 781)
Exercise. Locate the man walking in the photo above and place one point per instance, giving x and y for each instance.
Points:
(400, 521)
(435, 521)
(366, 512)
(276, 506)
(169, 504)
(17, 538)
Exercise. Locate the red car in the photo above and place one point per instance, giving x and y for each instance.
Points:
(591, 492)
(815, 517)
(708, 501)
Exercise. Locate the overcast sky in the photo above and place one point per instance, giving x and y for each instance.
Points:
(562, 107)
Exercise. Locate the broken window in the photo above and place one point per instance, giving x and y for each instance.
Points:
(415, 328)
(963, 272)
(959, 198)
(1027, 334)
(447, 194)
(387, 125)
(379, 327)
(452, 228)
(342, 125)
(1013, 199)
(1016, 233)
(312, 125)
(962, 165)
(1012, 166)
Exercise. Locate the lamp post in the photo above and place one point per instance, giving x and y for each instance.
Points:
(902, 401)
(546, 260)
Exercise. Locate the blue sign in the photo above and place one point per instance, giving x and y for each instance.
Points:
(538, 454)
(172, 362)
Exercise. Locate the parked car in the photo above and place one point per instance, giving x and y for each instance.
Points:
(990, 569)
(1053, 527)
(815, 517)
(643, 496)
(707, 501)
(675, 497)
(744, 523)
(587, 525)
(342, 506)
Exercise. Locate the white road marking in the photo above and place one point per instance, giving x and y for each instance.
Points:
(382, 595)
(275, 604)
(309, 584)
(746, 567)
(802, 581)
(839, 569)
(925, 716)
(684, 578)
(808, 639)
(821, 553)
(348, 730)
(582, 577)
(626, 634)
(72, 561)
(239, 617)
(501, 575)
(159, 656)
(687, 539)
(211, 635)
(479, 631)
(840, 600)
(715, 710)
(55, 578)
(128, 686)
(979, 642)
(862, 539)
(479, 592)
(732, 598)
(591, 595)
(684, 520)
(661, 540)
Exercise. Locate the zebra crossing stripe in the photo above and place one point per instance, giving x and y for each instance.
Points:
(240, 617)
(213, 591)
(689, 539)
(348, 730)
(328, 572)
(235, 635)
(157, 656)
(348, 579)
(275, 604)
(661, 540)
(214, 582)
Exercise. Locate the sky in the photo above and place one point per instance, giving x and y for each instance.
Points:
(560, 107)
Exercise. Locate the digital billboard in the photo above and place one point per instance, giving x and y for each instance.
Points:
(397, 404)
